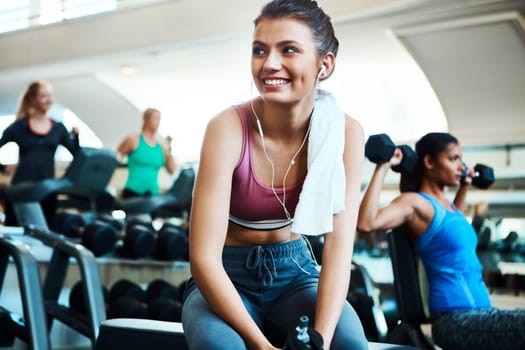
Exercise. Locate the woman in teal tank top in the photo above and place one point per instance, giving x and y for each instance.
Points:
(146, 154)
(462, 314)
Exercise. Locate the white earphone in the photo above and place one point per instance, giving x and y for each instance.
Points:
(321, 71)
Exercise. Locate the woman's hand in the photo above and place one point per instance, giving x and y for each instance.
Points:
(397, 157)
(468, 175)
(9, 169)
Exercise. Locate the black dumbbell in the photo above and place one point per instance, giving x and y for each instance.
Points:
(76, 297)
(138, 240)
(127, 300)
(483, 176)
(172, 243)
(379, 148)
(164, 302)
(161, 288)
(165, 309)
(68, 224)
(304, 337)
(117, 224)
(98, 236)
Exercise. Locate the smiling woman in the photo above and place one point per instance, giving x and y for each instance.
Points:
(263, 166)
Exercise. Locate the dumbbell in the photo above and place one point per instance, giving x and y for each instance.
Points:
(76, 297)
(117, 224)
(172, 243)
(98, 236)
(379, 148)
(127, 300)
(304, 337)
(160, 288)
(164, 300)
(68, 223)
(483, 176)
(141, 240)
(160, 301)
(138, 240)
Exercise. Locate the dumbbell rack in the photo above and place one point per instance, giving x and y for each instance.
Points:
(62, 252)
(32, 329)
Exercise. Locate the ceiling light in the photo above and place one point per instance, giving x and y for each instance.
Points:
(127, 70)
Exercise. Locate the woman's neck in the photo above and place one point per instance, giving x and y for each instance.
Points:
(433, 189)
(150, 136)
(39, 123)
(39, 116)
(285, 120)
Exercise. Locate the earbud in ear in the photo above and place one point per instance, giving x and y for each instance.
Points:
(321, 71)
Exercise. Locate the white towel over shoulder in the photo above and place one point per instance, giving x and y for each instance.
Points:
(323, 193)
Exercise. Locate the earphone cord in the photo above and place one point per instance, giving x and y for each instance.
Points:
(292, 161)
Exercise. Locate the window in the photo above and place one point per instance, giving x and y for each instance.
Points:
(22, 14)
(14, 15)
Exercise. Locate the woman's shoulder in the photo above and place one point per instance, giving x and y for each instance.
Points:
(419, 201)
(129, 143)
(235, 111)
(353, 124)
(229, 118)
(57, 124)
(18, 123)
(17, 126)
(224, 134)
(354, 130)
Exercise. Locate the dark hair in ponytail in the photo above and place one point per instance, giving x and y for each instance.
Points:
(310, 13)
(432, 144)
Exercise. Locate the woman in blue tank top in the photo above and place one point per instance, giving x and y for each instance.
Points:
(462, 314)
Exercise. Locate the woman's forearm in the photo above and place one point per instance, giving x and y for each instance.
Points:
(460, 200)
(333, 284)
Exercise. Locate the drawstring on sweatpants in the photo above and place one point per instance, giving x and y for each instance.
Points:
(261, 260)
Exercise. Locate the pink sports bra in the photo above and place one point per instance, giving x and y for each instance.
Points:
(252, 204)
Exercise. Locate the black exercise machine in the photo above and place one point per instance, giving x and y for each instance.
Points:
(411, 288)
(63, 251)
(86, 177)
(176, 201)
(138, 334)
(365, 298)
(32, 327)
